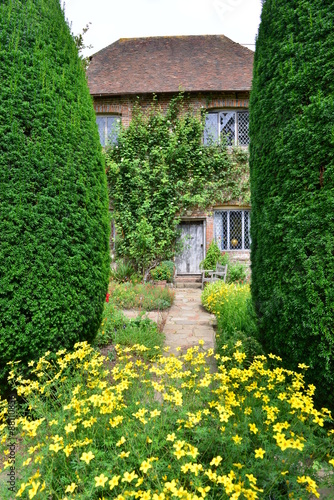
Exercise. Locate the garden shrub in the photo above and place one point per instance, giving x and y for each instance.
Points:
(54, 225)
(292, 185)
(237, 272)
(164, 271)
(214, 257)
(123, 271)
(170, 429)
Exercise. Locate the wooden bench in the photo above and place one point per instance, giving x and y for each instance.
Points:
(210, 275)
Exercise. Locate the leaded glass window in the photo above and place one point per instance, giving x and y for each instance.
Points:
(227, 122)
(231, 125)
(232, 229)
(211, 128)
(108, 128)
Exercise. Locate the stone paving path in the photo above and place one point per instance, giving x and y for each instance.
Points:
(188, 322)
(185, 323)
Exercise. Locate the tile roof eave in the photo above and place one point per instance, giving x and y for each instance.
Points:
(114, 94)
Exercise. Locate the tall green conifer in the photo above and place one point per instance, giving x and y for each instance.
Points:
(292, 184)
(54, 258)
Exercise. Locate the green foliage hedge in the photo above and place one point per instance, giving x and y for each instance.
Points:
(54, 258)
(292, 184)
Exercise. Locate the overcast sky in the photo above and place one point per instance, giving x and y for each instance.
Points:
(114, 19)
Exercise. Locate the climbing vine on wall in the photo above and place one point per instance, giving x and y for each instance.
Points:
(158, 169)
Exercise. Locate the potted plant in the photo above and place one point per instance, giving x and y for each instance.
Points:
(163, 273)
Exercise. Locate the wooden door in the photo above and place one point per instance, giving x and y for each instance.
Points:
(192, 237)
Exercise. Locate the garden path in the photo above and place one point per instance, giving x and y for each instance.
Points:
(188, 322)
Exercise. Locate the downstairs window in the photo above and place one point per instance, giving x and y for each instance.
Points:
(232, 229)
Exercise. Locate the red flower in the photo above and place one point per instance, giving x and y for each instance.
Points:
(107, 297)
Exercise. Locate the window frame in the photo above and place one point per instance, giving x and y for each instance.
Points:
(117, 118)
(217, 138)
(219, 237)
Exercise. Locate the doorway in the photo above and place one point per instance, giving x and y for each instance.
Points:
(192, 237)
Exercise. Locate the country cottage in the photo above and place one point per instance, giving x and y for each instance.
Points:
(216, 73)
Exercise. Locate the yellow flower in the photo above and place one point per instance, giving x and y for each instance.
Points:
(53, 422)
(203, 491)
(121, 441)
(311, 484)
(124, 454)
(252, 479)
(171, 437)
(155, 413)
(140, 481)
(87, 457)
(179, 454)
(100, 480)
(114, 482)
(216, 461)
(70, 488)
(55, 447)
(145, 466)
(21, 490)
(331, 462)
(70, 428)
(27, 462)
(237, 439)
(259, 453)
(128, 477)
(68, 450)
(253, 428)
(33, 491)
(114, 422)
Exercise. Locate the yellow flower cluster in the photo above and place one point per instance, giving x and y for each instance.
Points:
(164, 430)
(217, 294)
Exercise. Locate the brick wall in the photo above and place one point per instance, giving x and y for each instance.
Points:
(123, 105)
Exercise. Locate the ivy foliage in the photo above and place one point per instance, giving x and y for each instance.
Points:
(54, 256)
(158, 169)
(292, 185)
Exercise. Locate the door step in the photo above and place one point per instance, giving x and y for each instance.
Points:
(188, 281)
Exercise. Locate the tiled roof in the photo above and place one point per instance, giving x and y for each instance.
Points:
(166, 63)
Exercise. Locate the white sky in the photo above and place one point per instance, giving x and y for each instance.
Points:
(114, 19)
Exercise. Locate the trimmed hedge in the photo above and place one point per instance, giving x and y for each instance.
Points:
(54, 226)
(292, 185)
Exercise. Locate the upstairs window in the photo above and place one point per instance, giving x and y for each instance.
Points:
(108, 128)
(232, 125)
(232, 229)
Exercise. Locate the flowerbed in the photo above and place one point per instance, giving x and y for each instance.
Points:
(167, 430)
(216, 296)
(232, 305)
(116, 328)
(141, 296)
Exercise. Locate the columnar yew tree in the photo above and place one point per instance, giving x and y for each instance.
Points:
(53, 194)
(292, 184)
